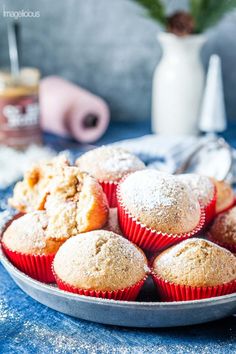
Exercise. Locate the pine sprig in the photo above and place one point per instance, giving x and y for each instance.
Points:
(207, 13)
(155, 9)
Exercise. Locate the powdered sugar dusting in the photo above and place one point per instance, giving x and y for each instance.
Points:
(121, 162)
(196, 262)
(160, 201)
(201, 186)
(27, 232)
(109, 163)
(190, 244)
(150, 189)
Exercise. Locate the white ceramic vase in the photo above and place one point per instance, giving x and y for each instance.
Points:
(178, 84)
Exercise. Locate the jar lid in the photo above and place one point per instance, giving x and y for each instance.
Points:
(24, 84)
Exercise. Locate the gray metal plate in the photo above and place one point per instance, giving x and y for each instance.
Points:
(124, 313)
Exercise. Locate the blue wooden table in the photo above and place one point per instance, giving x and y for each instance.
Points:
(29, 327)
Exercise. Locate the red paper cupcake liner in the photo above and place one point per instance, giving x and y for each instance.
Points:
(109, 189)
(38, 267)
(210, 209)
(147, 238)
(231, 248)
(174, 292)
(126, 294)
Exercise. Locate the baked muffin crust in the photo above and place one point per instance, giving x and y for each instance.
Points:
(201, 186)
(160, 201)
(108, 163)
(196, 262)
(225, 195)
(29, 235)
(100, 260)
(223, 228)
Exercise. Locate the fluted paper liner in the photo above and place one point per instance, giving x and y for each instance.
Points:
(109, 188)
(38, 267)
(174, 292)
(147, 238)
(126, 294)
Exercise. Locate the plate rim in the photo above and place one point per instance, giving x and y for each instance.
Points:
(12, 270)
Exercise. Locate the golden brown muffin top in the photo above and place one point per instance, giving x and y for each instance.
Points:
(160, 201)
(223, 228)
(108, 163)
(28, 234)
(100, 260)
(225, 195)
(196, 262)
(201, 186)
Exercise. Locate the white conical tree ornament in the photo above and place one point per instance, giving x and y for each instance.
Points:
(213, 117)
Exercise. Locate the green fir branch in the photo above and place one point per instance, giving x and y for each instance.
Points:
(155, 9)
(207, 13)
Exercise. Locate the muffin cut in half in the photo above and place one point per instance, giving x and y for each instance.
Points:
(193, 270)
(108, 165)
(101, 264)
(73, 200)
(30, 194)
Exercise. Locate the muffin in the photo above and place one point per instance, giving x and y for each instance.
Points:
(194, 269)
(101, 264)
(73, 200)
(223, 230)
(30, 247)
(156, 209)
(225, 196)
(205, 191)
(108, 165)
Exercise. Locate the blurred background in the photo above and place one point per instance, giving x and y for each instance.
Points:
(109, 47)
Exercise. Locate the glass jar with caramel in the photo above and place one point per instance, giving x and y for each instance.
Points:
(19, 108)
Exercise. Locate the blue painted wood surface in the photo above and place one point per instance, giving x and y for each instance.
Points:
(29, 327)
